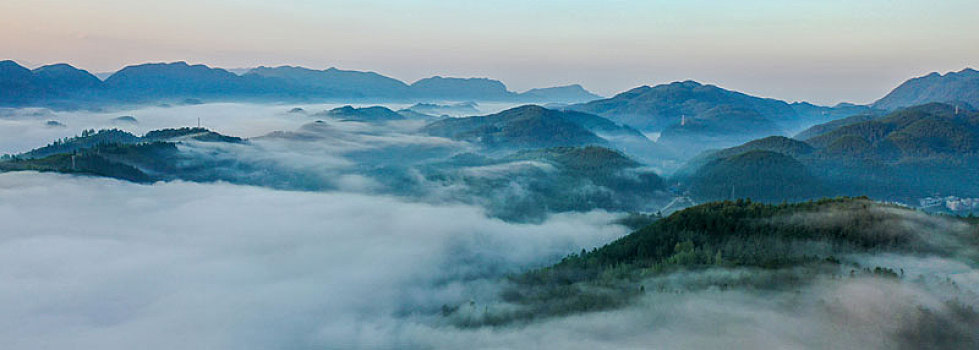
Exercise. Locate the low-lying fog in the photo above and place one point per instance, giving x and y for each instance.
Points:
(24, 129)
(98, 263)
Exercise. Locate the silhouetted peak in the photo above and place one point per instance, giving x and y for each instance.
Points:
(688, 83)
(56, 67)
(968, 71)
(527, 108)
(9, 65)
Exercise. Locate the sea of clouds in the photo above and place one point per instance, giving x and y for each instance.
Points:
(99, 263)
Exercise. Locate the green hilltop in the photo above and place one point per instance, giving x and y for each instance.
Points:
(782, 246)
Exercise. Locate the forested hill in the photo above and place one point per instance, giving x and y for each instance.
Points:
(582, 158)
(763, 175)
(928, 130)
(533, 127)
(521, 127)
(373, 114)
(527, 185)
(902, 156)
(92, 138)
(820, 129)
(747, 233)
(760, 246)
(116, 154)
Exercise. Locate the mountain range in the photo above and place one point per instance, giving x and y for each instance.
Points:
(333, 82)
(64, 86)
(692, 117)
(649, 109)
(561, 94)
(683, 118)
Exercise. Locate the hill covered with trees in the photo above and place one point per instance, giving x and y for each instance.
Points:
(522, 127)
(117, 154)
(733, 245)
(528, 184)
(904, 155)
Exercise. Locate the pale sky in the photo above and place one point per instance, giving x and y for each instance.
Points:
(821, 51)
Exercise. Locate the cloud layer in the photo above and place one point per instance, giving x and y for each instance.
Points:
(95, 263)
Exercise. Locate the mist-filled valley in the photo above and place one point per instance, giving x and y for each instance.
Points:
(250, 225)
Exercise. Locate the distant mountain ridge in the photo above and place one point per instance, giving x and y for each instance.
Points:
(20, 86)
(466, 89)
(568, 94)
(178, 80)
(961, 86)
(659, 107)
(334, 82)
(62, 85)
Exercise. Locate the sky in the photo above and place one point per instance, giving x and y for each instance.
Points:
(820, 51)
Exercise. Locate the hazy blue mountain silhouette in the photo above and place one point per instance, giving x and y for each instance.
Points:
(461, 89)
(653, 109)
(50, 84)
(961, 86)
(561, 94)
(333, 82)
(62, 85)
